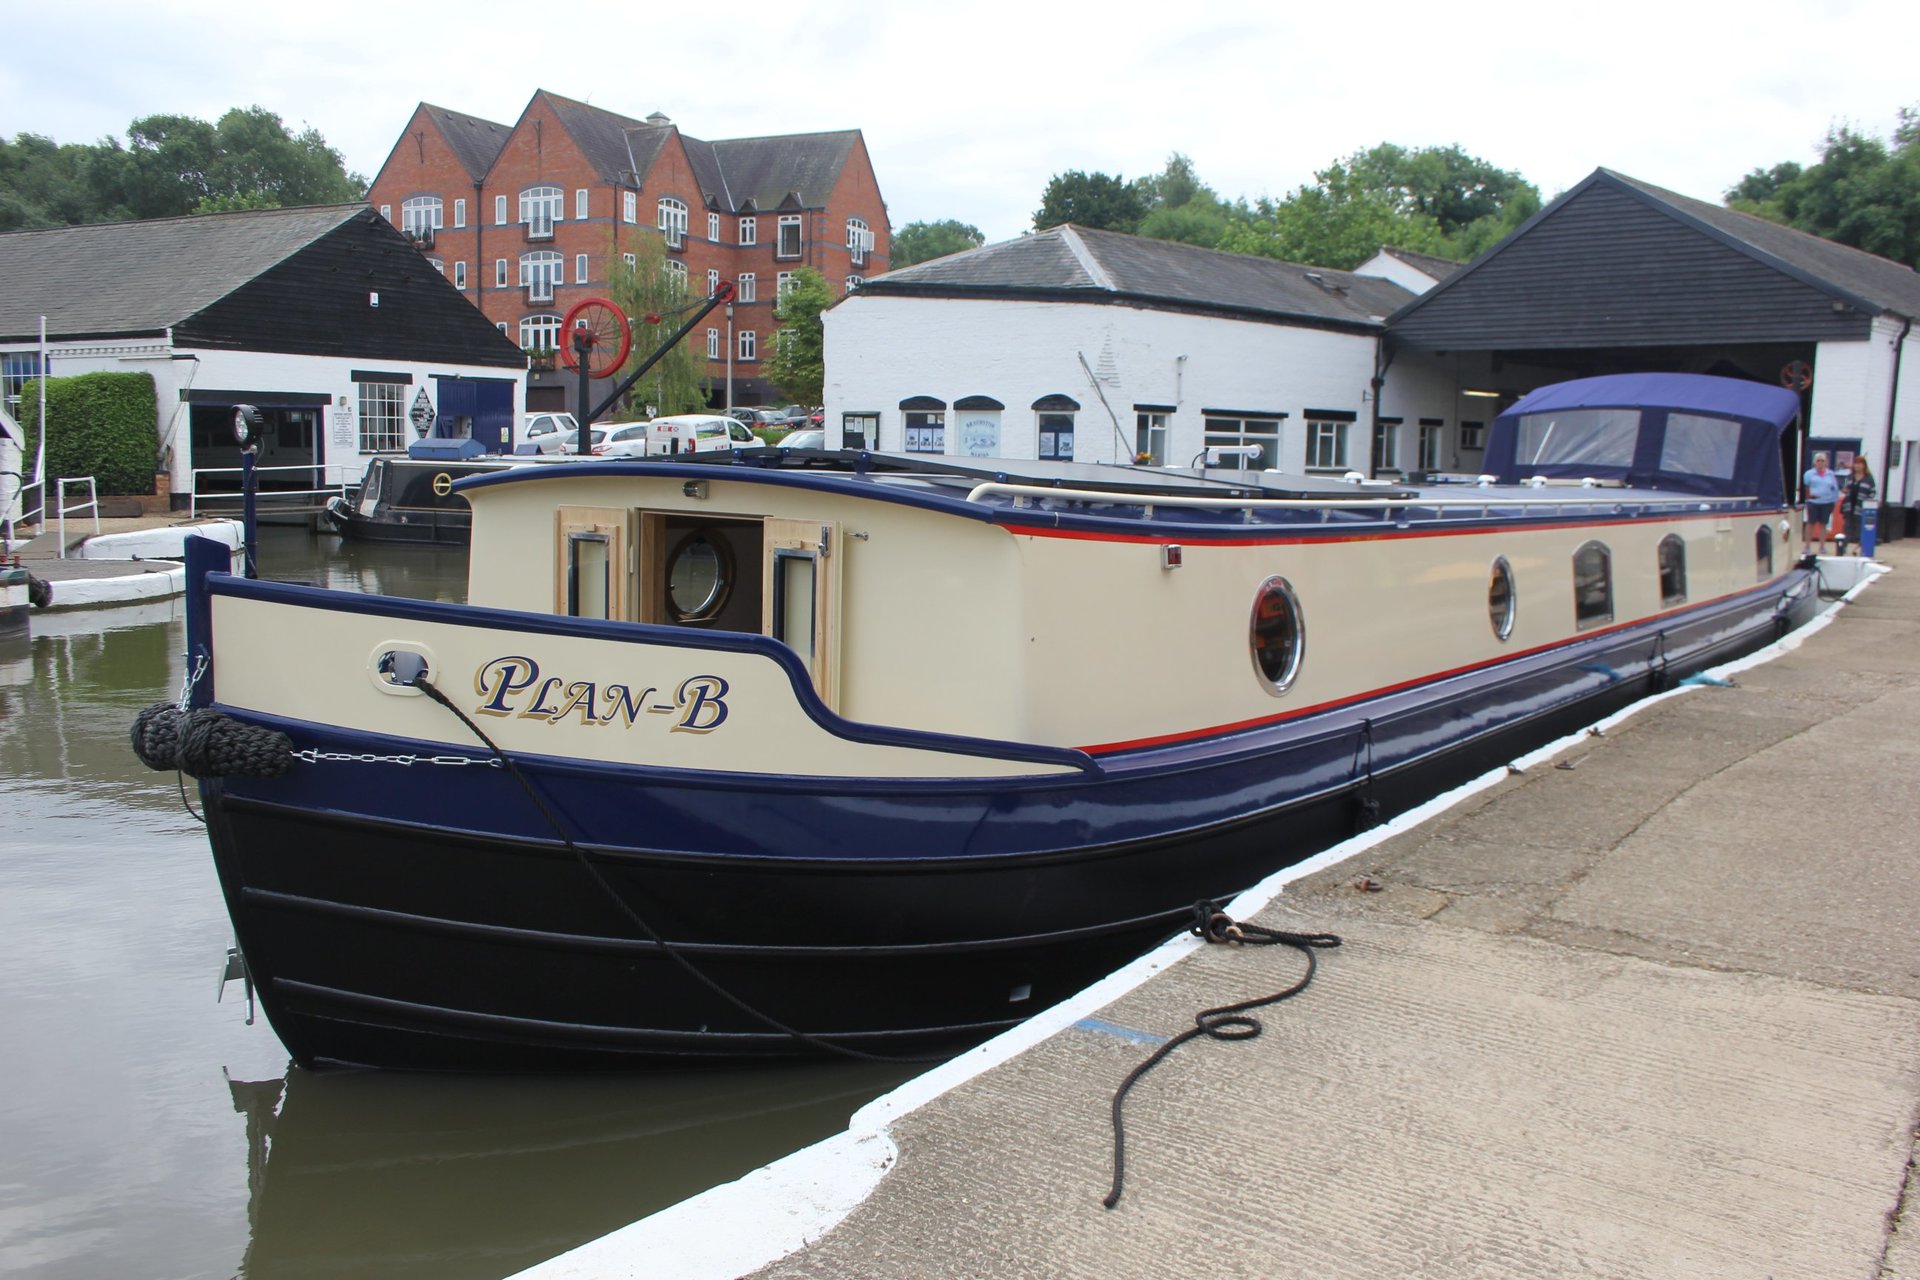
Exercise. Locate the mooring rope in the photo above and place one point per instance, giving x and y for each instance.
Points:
(1228, 1022)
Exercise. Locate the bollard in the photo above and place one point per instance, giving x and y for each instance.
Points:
(1869, 522)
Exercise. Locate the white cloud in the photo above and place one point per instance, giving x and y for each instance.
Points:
(969, 111)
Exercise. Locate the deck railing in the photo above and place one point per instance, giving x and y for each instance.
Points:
(299, 499)
(1026, 494)
(63, 509)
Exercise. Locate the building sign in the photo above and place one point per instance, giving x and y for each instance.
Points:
(341, 418)
(980, 435)
(422, 413)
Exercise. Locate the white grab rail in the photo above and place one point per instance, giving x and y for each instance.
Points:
(1151, 500)
(92, 503)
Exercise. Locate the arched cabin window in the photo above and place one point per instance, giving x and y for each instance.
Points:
(1592, 585)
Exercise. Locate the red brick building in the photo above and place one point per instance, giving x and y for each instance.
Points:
(525, 218)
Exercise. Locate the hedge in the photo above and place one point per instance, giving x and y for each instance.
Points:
(103, 426)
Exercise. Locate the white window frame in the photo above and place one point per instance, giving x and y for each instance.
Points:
(671, 218)
(713, 280)
(749, 231)
(749, 345)
(383, 416)
(1432, 436)
(746, 287)
(859, 240)
(782, 281)
(678, 270)
(629, 206)
(854, 282)
(631, 259)
(579, 268)
(580, 204)
(1260, 429)
(386, 211)
(542, 271)
(1327, 444)
(790, 222)
(499, 273)
(540, 210)
(713, 344)
(459, 214)
(1150, 435)
(713, 227)
(460, 275)
(541, 330)
(499, 211)
(421, 214)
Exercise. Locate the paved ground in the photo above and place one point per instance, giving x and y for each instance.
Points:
(1655, 1013)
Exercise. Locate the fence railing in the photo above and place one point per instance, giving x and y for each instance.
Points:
(332, 484)
(64, 509)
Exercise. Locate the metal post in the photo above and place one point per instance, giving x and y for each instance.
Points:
(729, 356)
(582, 340)
(248, 523)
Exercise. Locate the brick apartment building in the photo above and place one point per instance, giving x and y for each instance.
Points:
(524, 219)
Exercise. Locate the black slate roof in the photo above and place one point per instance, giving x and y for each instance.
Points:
(1073, 262)
(794, 171)
(475, 142)
(111, 278)
(1426, 263)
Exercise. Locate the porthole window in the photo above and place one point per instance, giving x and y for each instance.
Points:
(1279, 638)
(1673, 569)
(699, 577)
(1500, 601)
(1592, 585)
(1763, 552)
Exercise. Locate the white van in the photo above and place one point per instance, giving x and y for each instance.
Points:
(697, 433)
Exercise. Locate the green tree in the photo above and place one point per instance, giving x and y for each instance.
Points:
(924, 241)
(1181, 207)
(798, 364)
(1327, 229)
(656, 301)
(1096, 200)
(1862, 192)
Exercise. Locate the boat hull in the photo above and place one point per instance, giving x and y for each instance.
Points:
(440, 919)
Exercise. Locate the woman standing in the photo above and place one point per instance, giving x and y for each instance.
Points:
(1855, 497)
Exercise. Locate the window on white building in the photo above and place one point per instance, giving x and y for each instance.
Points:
(1386, 445)
(1326, 441)
(1150, 436)
(1252, 429)
(926, 430)
(1432, 433)
(383, 417)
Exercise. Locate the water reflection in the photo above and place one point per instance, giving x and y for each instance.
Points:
(403, 1176)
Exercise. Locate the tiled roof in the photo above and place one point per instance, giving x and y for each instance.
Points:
(732, 172)
(1426, 263)
(1881, 282)
(476, 143)
(1067, 260)
(141, 277)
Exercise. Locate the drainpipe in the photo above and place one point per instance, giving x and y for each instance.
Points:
(1382, 361)
(1893, 401)
(479, 242)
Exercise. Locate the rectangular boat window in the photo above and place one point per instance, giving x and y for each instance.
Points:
(588, 575)
(1700, 446)
(793, 602)
(1592, 585)
(1578, 437)
(590, 564)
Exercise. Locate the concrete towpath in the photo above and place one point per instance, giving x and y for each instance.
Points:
(1649, 1009)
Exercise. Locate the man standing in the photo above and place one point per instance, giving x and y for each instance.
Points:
(1823, 490)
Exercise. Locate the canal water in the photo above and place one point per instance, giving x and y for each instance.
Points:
(146, 1130)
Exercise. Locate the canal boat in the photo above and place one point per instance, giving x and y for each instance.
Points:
(798, 752)
(412, 499)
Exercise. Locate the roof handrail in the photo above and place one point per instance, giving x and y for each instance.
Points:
(1119, 498)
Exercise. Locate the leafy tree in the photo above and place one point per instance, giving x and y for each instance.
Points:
(1183, 208)
(1862, 192)
(1327, 229)
(656, 301)
(171, 165)
(1096, 200)
(1444, 184)
(798, 364)
(924, 241)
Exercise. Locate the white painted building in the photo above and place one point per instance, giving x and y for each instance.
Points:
(1090, 346)
(326, 319)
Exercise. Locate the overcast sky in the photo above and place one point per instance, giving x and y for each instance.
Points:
(969, 108)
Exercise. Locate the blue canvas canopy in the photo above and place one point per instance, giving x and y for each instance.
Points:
(1685, 431)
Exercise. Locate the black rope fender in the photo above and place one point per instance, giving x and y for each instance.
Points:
(1227, 1022)
(203, 743)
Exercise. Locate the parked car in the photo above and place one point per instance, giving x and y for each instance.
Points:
(548, 433)
(805, 438)
(623, 440)
(798, 415)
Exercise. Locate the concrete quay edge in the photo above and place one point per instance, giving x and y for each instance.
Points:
(1493, 1077)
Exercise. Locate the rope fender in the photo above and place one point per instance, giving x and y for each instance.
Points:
(203, 743)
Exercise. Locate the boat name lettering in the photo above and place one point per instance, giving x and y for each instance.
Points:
(514, 686)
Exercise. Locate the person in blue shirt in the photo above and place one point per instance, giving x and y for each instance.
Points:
(1823, 490)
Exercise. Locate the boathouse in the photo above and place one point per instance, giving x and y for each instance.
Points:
(325, 318)
(1619, 276)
